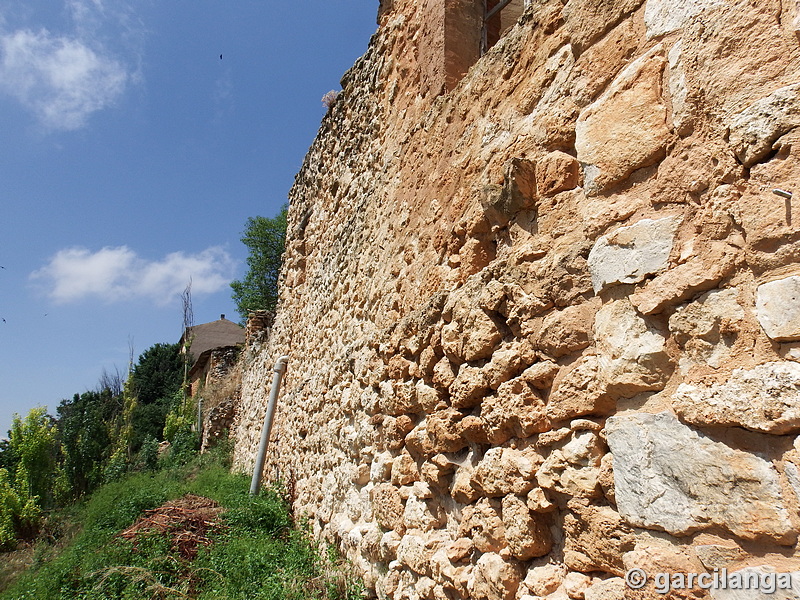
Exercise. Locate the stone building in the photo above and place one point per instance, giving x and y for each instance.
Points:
(542, 304)
(213, 349)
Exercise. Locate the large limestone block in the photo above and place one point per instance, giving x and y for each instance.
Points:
(670, 477)
(631, 253)
(755, 129)
(765, 398)
(626, 128)
(632, 353)
(778, 308)
(665, 16)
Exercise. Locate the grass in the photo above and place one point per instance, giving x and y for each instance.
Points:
(259, 555)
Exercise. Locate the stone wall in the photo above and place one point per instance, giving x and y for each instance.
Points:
(544, 328)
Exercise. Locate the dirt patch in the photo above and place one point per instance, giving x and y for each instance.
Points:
(189, 521)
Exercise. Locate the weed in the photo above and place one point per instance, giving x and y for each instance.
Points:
(258, 554)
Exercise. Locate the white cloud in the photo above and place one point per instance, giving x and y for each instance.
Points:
(119, 274)
(61, 80)
(63, 75)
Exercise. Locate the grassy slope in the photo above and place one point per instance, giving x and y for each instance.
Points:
(260, 555)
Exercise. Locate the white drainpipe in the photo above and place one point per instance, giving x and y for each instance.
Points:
(279, 370)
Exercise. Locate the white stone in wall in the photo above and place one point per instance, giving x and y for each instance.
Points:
(778, 308)
(698, 327)
(670, 477)
(665, 16)
(630, 253)
(755, 129)
(765, 398)
(631, 353)
(677, 87)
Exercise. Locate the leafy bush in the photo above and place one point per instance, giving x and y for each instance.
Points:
(147, 460)
(19, 515)
(259, 555)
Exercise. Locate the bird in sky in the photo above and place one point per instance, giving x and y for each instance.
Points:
(220, 56)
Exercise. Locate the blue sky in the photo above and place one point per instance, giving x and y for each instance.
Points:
(131, 158)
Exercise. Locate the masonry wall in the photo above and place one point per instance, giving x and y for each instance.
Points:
(544, 328)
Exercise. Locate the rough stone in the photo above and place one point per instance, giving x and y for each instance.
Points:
(567, 331)
(612, 588)
(404, 470)
(714, 556)
(469, 387)
(630, 253)
(527, 534)
(765, 398)
(579, 389)
(672, 478)
(627, 127)
(574, 469)
(387, 505)
(632, 353)
(664, 16)
(540, 375)
(545, 579)
(495, 578)
(755, 129)
(576, 584)
(423, 514)
(516, 411)
(700, 273)
(759, 583)
(704, 328)
(445, 431)
(504, 471)
(778, 308)
(460, 550)
(556, 172)
(482, 523)
(471, 335)
(596, 538)
(413, 553)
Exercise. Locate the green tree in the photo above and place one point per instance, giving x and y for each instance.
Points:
(35, 442)
(83, 424)
(155, 379)
(265, 238)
